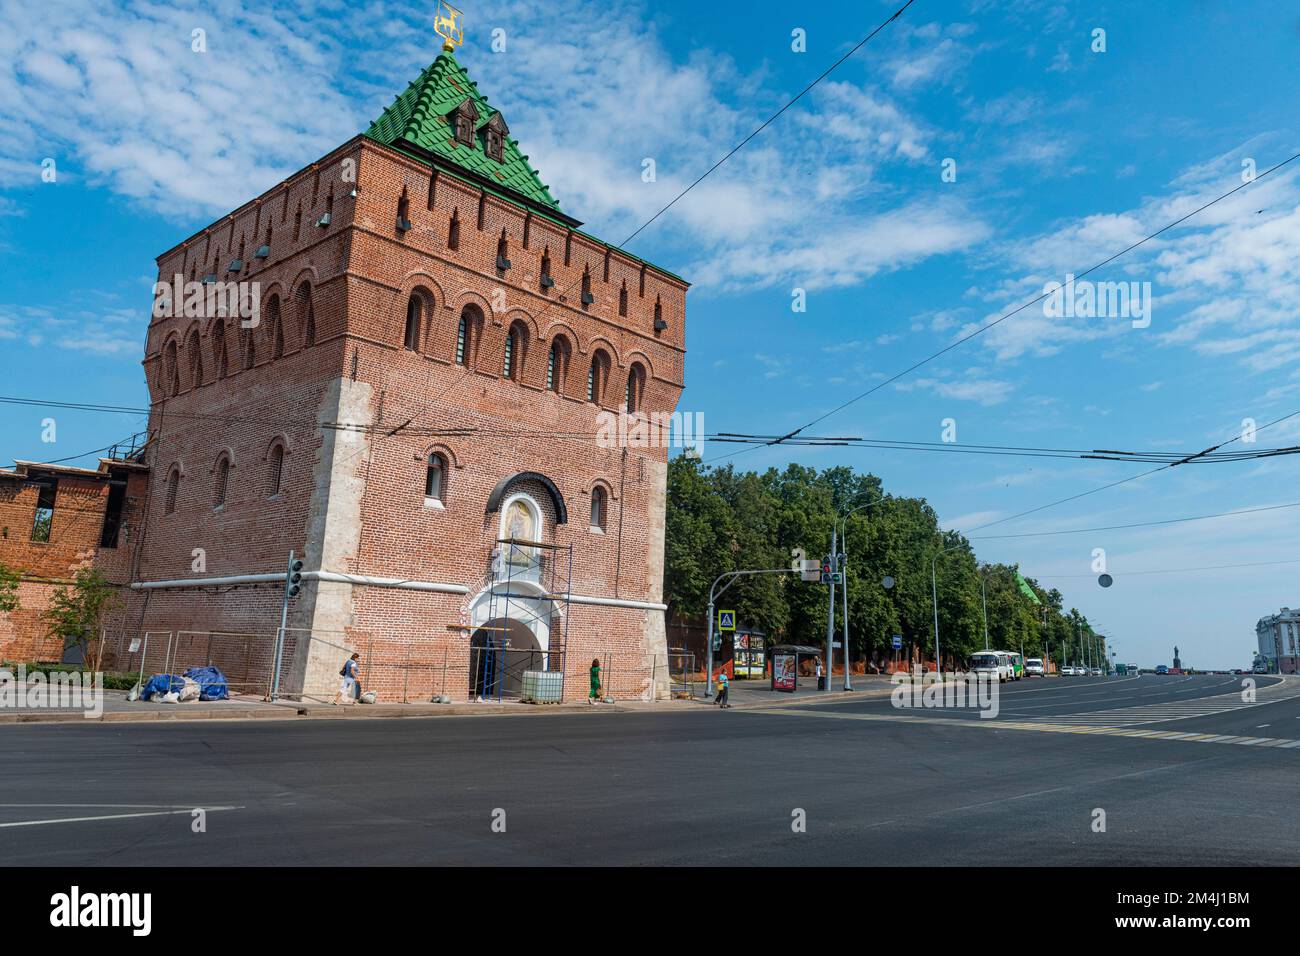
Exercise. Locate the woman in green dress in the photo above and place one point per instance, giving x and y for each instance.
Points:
(594, 695)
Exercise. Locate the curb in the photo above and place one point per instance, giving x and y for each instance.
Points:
(358, 712)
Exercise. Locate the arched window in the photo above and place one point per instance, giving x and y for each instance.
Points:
(273, 329)
(307, 310)
(274, 470)
(516, 345)
(411, 339)
(435, 477)
(277, 340)
(599, 506)
(466, 333)
(622, 300)
(453, 230)
(596, 376)
(221, 483)
(173, 490)
(172, 373)
(635, 387)
(557, 365)
(196, 358)
(250, 348)
(462, 341)
(219, 361)
(512, 342)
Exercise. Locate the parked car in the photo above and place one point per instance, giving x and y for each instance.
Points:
(991, 663)
(1034, 667)
(1097, 672)
(1162, 669)
(1067, 671)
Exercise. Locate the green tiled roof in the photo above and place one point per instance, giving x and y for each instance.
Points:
(420, 117)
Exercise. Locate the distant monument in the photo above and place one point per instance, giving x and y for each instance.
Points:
(1178, 665)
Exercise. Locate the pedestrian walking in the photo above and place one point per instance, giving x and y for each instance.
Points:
(350, 689)
(821, 675)
(593, 696)
(723, 686)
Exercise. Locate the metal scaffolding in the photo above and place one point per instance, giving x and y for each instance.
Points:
(496, 669)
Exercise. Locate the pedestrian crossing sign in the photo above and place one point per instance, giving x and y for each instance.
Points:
(726, 620)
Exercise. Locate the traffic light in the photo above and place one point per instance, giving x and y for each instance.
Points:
(829, 574)
(841, 560)
(293, 583)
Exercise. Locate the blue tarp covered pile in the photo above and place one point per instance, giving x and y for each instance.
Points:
(212, 683)
(161, 684)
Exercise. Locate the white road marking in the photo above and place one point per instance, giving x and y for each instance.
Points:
(1113, 723)
(114, 816)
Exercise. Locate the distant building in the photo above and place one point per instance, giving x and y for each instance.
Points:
(1279, 641)
(55, 520)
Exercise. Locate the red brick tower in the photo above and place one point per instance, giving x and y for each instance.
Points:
(437, 349)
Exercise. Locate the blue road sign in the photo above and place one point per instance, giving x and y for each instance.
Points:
(898, 642)
(726, 620)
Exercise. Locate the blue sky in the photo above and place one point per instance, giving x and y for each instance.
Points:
(1063, 156)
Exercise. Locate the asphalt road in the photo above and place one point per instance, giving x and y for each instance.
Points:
(877, 786)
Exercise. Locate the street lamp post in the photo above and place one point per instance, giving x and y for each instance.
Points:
(984, 606)
(844, 584)
(934, 599)
(830, 615)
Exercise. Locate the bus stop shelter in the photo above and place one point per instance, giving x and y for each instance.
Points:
(785, 660)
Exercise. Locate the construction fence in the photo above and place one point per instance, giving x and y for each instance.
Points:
(307, 665)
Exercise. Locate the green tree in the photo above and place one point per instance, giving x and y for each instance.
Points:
(75, 611)
(721, 520)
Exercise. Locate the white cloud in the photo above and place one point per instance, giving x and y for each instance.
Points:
(119, 97)
(107, 332)
(972, 520)
(1225, 283)
(973, 385)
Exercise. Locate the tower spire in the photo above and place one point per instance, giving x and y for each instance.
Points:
(449, 24)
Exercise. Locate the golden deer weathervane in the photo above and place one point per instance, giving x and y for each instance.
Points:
(448, 23)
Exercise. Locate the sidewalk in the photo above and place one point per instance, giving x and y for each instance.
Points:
(744, 695)
(117, 709)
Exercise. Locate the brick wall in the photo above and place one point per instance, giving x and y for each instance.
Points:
(74, 542)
